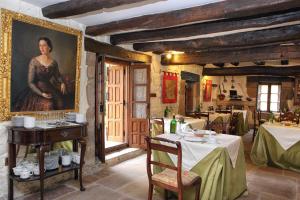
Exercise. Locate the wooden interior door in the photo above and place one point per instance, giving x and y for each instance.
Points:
(114, 103)
(139, 105)
(189, 97)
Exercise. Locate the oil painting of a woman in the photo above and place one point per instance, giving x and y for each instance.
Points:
(41, 94)
(44, 69)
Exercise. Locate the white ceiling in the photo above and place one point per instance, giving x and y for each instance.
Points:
(127, 11)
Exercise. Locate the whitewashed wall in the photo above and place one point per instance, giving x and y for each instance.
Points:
(31, 10)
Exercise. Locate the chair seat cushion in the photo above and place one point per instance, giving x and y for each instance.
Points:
(169, 177)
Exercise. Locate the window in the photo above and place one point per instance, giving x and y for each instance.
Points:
(268, 97)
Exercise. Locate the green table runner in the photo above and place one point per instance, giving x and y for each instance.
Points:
(219, 179)
(267, 151)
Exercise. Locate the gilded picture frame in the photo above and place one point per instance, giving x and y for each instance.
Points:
(6, 23)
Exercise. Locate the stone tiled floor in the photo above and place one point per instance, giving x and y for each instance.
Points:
(128, 181)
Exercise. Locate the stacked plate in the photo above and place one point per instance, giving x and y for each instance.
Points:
(17, 121)
(71, 117)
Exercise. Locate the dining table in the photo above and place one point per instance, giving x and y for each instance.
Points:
(220, 163)
(277, 144)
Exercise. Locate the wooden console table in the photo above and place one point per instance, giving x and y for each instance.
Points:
(42, 139)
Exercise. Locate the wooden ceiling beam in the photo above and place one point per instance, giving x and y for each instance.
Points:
(215, 11)
(252, 70)
(251, 38)
(114, 51)
(247, 55)
(76, 7)
(205, 28)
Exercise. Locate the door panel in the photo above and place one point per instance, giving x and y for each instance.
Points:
(139, 105)
(114, 103)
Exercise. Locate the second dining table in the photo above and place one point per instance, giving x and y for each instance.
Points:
(277, 144)
(220, 164)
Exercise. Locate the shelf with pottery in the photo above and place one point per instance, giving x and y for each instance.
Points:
(246, 104)
(42, 139)
(47, 174)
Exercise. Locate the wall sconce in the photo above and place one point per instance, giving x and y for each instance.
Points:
(169, 56)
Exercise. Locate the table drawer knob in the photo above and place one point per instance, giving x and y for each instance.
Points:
(64, 133)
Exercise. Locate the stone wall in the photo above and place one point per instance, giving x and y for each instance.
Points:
(156, 106)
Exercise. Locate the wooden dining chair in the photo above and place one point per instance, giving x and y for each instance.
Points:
(217, 125)
(234, 123)
(255, 124)
(262, 116)
(171, 178)
(157, 126)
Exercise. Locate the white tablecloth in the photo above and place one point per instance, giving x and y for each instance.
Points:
(286, 136)
(194, 152)
(193, 122)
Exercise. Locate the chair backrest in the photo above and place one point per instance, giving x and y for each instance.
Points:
(157, 126)
(263, 115)
(217, 125)
(224, 111)
(288, 116)
(157, 144)
(234, 122)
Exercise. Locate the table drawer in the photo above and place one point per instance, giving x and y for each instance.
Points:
(63, 134)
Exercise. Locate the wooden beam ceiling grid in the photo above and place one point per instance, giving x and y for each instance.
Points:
(215, 11)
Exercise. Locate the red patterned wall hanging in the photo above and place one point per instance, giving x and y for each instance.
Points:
(207, 90)
(169, 87)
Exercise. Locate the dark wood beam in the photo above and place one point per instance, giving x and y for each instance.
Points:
(252, 38)
(219, 64)
(114, 51)
(220, 10)
(76, 7)
(252, 70)
(284, 62)
(270, 79)
(235, 63)
(259, 62)
(246, 55)
(205, 28)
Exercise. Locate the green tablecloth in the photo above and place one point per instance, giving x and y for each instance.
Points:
(267, 151)
(220, 181)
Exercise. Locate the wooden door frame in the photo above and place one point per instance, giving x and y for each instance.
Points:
(99, 108)
(100, 150)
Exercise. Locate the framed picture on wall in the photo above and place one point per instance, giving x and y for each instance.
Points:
(40, 65)
(169, 87)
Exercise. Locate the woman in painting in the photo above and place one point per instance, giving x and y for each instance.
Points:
(42, 94)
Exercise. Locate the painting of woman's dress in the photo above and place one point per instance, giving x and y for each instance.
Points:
(43, 68)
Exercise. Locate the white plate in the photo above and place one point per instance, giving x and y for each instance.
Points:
(206, 132)
(194, 139)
